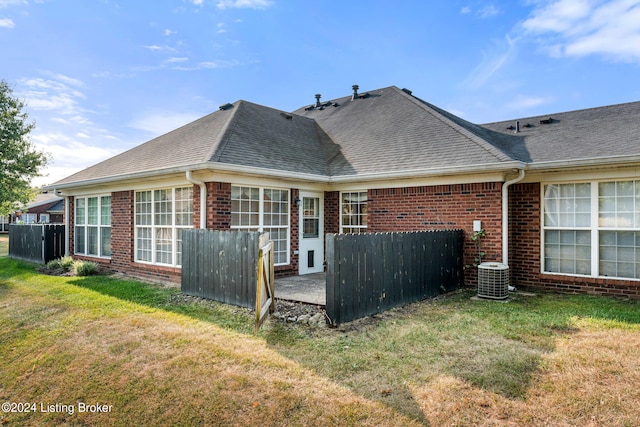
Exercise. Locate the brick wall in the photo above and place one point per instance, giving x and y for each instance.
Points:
(525, 252)
(218, 205)
(331, 211)
(442, 207)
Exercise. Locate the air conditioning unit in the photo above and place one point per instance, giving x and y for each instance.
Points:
(493, 280)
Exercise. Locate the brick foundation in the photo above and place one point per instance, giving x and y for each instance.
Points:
(442, 207)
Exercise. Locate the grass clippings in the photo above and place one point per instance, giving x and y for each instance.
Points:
(160, 359)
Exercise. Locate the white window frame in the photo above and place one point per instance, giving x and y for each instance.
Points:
(101, 224)
(361, 226)
(597, 226)
(255, 221)
(45, 218)
(163, 227)
(30, 218)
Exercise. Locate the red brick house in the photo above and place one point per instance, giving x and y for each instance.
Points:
(558, 196)
(46, 208)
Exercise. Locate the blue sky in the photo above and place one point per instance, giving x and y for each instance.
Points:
(101, 76)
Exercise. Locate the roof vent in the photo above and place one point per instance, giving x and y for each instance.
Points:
(405, 90)
(528, 125)
(546, 121)
(355, 92)
(318, 96)
(286, 116)
(226, 106)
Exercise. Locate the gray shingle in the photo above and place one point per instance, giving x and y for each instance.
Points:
(389, 130)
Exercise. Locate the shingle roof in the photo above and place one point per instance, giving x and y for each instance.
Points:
(390, 130)
(595, 133)
(386, 130)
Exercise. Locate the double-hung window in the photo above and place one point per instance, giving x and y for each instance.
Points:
(93, 226)
(266, 210)
(160, 217)
(353, 206)
(592, 229)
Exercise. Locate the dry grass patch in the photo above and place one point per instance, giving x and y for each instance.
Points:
(161, 360)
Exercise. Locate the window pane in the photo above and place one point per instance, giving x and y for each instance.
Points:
(92, 240)
(143, 243)
(163, 208)
(92, 211)
(105, 210)
(80, 211)
(79, 240)
(105, 244)
(619, 254)
(143, 208)
(164, 246)
(354, 211)
(567, 251)
(184, 206)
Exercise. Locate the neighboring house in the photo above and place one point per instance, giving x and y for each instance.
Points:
(46, 208)
(558, 195)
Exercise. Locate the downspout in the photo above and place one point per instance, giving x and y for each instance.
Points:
(203, 199)
(505, 215)
(66, 222)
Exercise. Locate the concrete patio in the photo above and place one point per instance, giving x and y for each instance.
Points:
(308, 288)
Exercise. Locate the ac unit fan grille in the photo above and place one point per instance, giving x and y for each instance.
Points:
(493, 280)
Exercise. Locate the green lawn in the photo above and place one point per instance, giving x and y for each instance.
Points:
(156, 359)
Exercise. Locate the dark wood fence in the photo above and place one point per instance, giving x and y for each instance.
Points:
(39, 243)
(369, 273)
(221, 265)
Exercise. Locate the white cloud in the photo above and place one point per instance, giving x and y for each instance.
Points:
(158, 123)
(488, 11)
(251, 4)
(465, 10)
(49, 94)
(580, 27)
(7, 23)
(169, 32)
(68, 154)
(492, 62)
(7, 3)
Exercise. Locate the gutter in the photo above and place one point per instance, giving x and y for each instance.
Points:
(203, 198)
(505, 215)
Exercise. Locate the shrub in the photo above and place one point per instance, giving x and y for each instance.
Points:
(85, 268)
(65, 263)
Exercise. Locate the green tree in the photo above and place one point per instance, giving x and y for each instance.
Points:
(20, 161)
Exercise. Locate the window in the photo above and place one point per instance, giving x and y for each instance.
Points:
(44, 218)
(30, 218)
(592, 229)
(354, 212)
(160, 217)
(266, 210)
(93, 226)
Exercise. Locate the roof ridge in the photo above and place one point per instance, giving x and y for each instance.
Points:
(443, 116)
(216, 151)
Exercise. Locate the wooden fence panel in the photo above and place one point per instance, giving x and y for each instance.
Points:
(220, 265)
(39, 243)
(372, 272)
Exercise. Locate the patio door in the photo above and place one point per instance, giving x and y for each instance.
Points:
(311, 252)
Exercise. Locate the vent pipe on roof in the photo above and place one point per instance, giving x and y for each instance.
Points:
(318, 103)
(355, 92)
(517, 126)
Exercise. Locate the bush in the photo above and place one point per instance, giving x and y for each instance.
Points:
(65, 263)
(85, 268)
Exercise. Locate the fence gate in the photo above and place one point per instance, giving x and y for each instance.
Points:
(233, 267)
(265, 300)
(39, 243)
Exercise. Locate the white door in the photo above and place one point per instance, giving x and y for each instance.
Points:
(311, 249)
